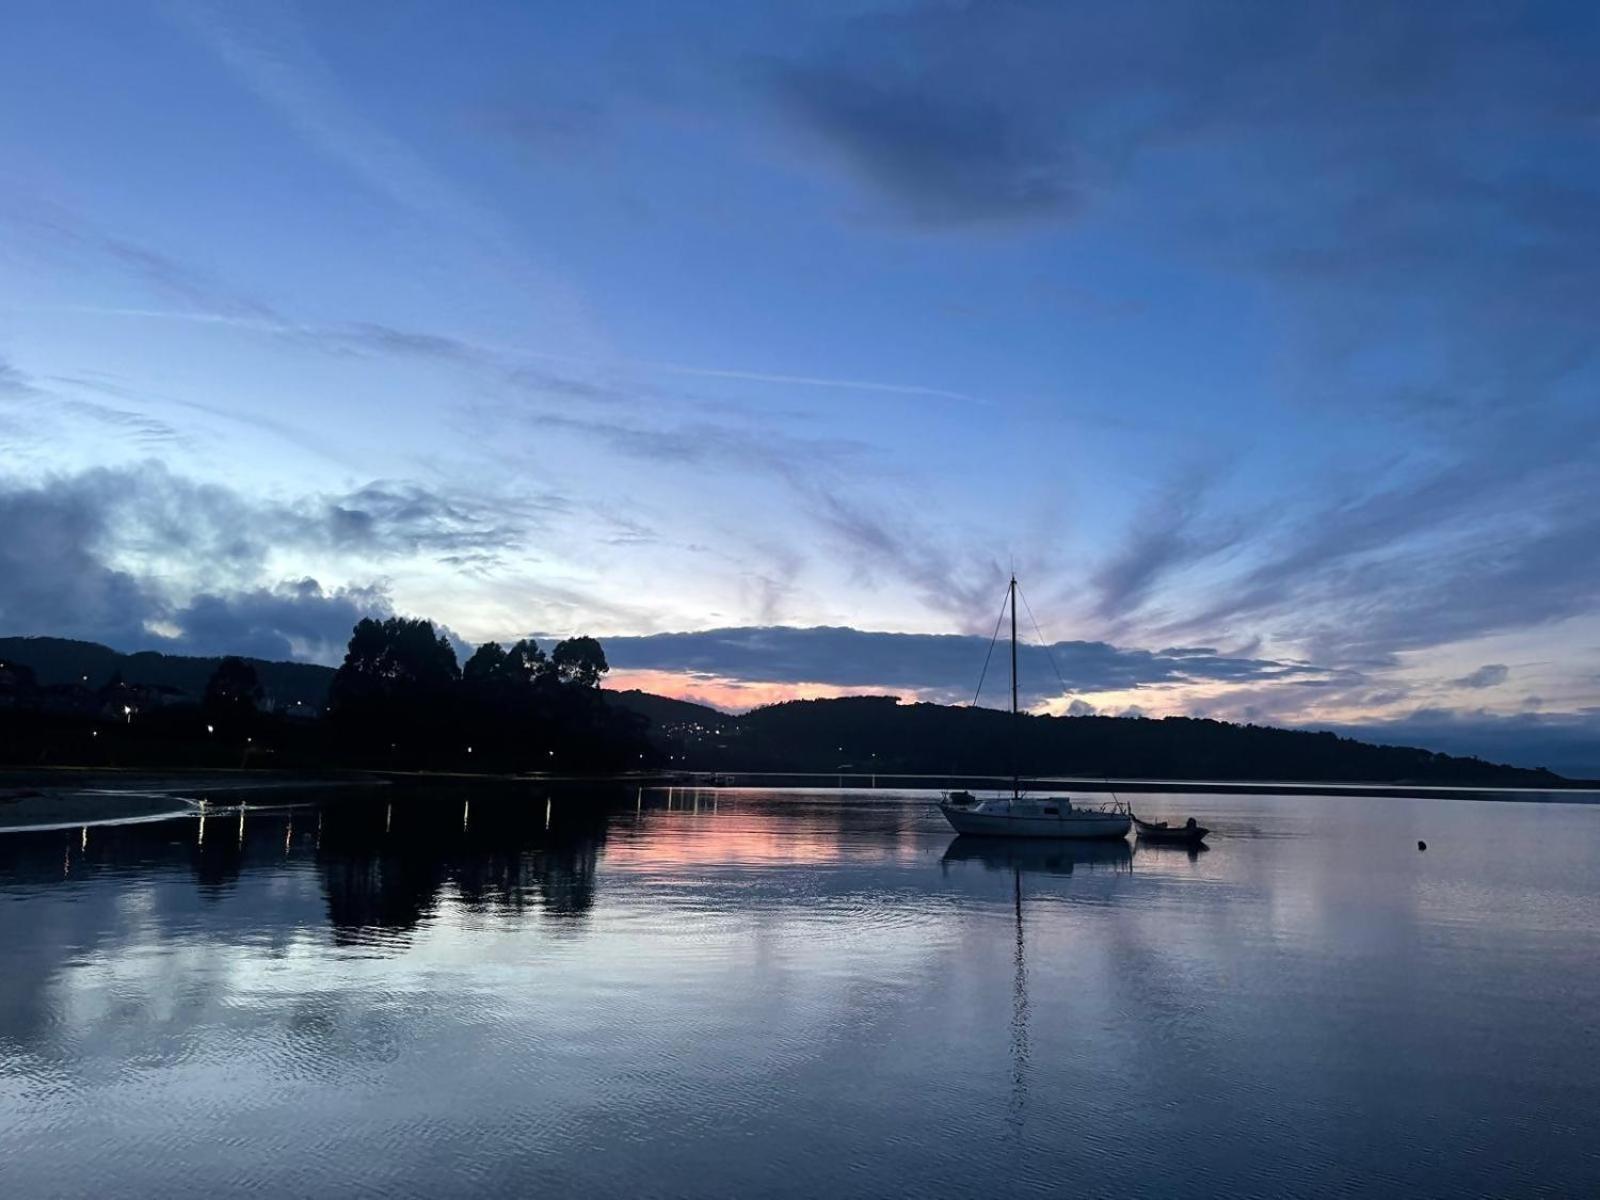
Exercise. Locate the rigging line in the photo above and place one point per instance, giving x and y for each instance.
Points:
(1043, 645)
(995, 637)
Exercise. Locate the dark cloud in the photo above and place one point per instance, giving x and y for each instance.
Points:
(942, 665)
(455, 525)
(297, 620)
(53, 579)
(89, 555)
(1488, 675)
(1008, 110)
(944, 157)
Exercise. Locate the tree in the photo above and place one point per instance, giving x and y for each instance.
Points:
(233, 692)
(396, 685)
(396, 655)
(525, 661)
(520, 665)
(487, 663)
(579, 661)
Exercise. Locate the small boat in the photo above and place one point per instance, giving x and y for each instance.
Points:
(1187, 834)
(1019, 816)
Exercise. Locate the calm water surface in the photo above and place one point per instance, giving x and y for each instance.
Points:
(786, 993)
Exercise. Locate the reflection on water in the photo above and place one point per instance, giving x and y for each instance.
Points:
(1038, 855)
(734, 991)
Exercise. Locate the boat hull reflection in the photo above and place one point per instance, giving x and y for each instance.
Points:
(1043, 857)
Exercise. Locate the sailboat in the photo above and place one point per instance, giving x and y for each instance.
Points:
(1019, 816)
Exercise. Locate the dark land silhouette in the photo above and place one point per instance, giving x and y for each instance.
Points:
(401, 701)
(878, 735)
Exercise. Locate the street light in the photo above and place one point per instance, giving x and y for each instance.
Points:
(210, 729)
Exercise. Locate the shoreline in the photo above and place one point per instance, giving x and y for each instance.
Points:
(40, 799)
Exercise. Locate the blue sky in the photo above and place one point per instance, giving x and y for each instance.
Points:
(1258, 338)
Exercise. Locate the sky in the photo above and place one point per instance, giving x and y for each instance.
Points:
(764, 341)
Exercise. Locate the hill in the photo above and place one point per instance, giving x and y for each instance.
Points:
(879, 734)
(64, 660)
(667, 713)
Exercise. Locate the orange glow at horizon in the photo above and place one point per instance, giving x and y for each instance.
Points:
(735, 695)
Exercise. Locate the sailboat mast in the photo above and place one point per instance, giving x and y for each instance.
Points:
(1016, 790)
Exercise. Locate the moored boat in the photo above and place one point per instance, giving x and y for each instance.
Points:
(1019, 816)
(1034, 817)
(1187, 834)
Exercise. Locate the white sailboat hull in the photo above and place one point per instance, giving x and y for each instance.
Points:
(1033, 820)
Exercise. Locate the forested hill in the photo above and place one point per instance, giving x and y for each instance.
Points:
(65, 660)
(879, 734)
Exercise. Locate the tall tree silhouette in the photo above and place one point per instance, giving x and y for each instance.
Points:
(395, 686)
(579, 661)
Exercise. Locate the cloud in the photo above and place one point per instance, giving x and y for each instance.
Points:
(269, 53)
(1493, 538)
(943, 157)
(943, 666)
(13, 381)
(1167, 534)
(295, 620)
(140, 556)
(1488, 675)
(1023, 110)
(876, 538)
(33, 411)
(46, 226)
(52, 576)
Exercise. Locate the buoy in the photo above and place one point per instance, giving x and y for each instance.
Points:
(1422, 845)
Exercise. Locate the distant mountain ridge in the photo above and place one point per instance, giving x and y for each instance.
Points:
(66, 660)
(878, 733)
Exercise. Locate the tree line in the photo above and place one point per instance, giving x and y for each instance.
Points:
(400, 699)
(400, 691)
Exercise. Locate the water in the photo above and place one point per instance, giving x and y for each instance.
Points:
(737, 993)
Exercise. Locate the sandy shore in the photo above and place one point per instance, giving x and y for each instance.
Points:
(33, 799)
